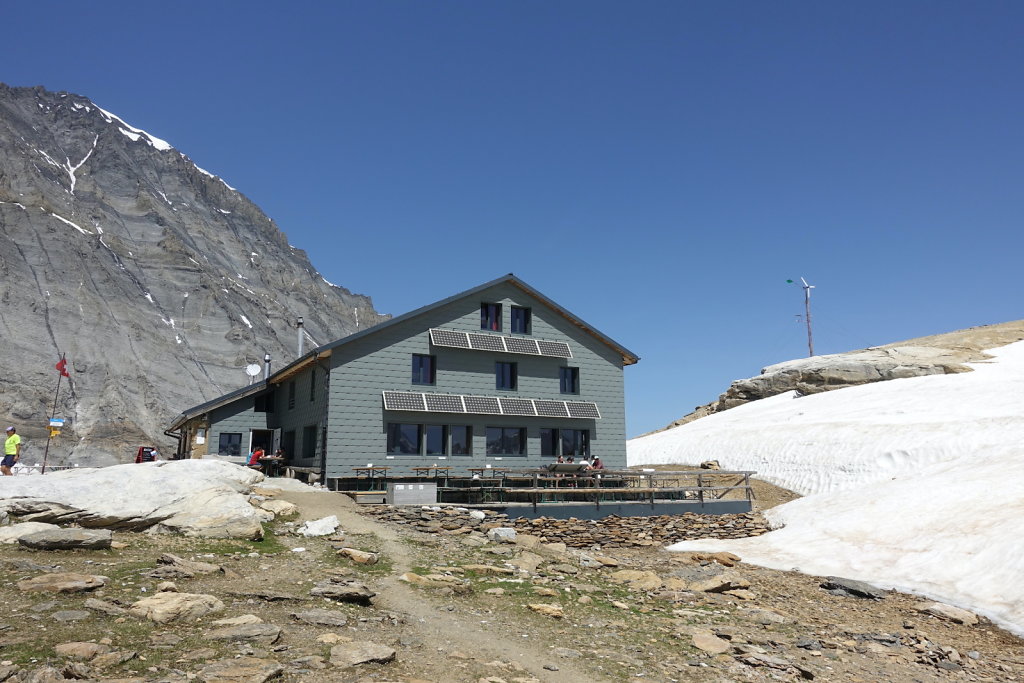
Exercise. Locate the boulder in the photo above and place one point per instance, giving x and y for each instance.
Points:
(708, 642)
(166, 607)
(11, 534)
(280, 508)
(192, 497)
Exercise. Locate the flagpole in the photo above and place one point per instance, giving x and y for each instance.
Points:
(53, 414)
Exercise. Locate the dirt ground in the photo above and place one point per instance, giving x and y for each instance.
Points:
(480, 627)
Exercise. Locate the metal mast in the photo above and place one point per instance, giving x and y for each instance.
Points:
(807, 316)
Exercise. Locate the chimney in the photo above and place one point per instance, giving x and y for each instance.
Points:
(301, 336)
(266, 366)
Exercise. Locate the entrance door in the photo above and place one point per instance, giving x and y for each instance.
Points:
(261, 438)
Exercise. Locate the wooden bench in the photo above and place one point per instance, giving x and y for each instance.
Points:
(310, 475)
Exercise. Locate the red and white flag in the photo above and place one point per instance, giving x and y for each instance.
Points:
(62, 367)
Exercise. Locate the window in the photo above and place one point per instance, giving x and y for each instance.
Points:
(506, 441)
(505, 375)
(490, 317)
(423, 369)
(436, 441)
(291, 395)
(309, 442)
(462, 439)
(230, 444)
(404, 439)
(575, 442)
(564, 442)
(569, 380)
(520, 320)
(312, 385)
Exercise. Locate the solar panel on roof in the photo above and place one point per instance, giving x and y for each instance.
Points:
(449, 338)
(520, 345)
(551, 408)
(517, 406)
(400, 400)
(487, 405)
(583, 410)
(486, 342)
(444, 403)
(556, 349)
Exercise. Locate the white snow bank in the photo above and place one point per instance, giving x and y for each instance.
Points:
(916, 484)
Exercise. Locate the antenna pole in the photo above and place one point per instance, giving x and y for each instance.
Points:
(807, 316)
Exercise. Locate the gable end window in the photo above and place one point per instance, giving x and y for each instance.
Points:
(569, 380)
(520, 320)
(424, 369)
(291, 395)
(506, 376)
(490, 317)
(312, 385)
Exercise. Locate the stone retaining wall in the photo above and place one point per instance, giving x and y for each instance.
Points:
(610, 532)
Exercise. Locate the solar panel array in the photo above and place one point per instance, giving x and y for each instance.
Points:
(489, 405)
(495, 342)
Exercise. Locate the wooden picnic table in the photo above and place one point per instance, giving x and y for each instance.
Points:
(272, 465)
(492, 471)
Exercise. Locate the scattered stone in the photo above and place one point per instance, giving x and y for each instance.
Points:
(166, 607)
(502, 534)
(347, 655)
(268, 634)
(359, 556)
(566, 653)
(104, 607)
(66, 582)
(263, 594)
(320, 527)
(80, 651)
(111, 659)
(948, 612)
(343, 591)
(68, 539)
(280, 508)
(166, 587)
(70, 615)
(238, 621)
(637, 580)
(241, 670)
(553, 611)
(708, 642)
(321, 617)
(849, 587)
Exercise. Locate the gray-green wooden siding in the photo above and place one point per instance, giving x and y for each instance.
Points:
(363, 368)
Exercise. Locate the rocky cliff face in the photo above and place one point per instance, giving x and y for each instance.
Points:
(158, 280)
(935, 355)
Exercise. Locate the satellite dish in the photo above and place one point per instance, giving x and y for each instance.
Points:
(252, 369)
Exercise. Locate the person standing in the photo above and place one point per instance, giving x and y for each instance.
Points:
(12, 452)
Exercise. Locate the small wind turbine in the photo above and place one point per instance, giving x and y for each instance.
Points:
(807, 315)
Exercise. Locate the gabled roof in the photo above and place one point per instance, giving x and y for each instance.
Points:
(628, 357)
(249, 390)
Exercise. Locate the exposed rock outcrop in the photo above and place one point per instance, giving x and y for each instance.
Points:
(158, 280)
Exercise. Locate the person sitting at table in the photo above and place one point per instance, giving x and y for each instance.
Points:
(597, 464)
(254, 459)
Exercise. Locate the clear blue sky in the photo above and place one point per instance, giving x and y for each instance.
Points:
(659, 168)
